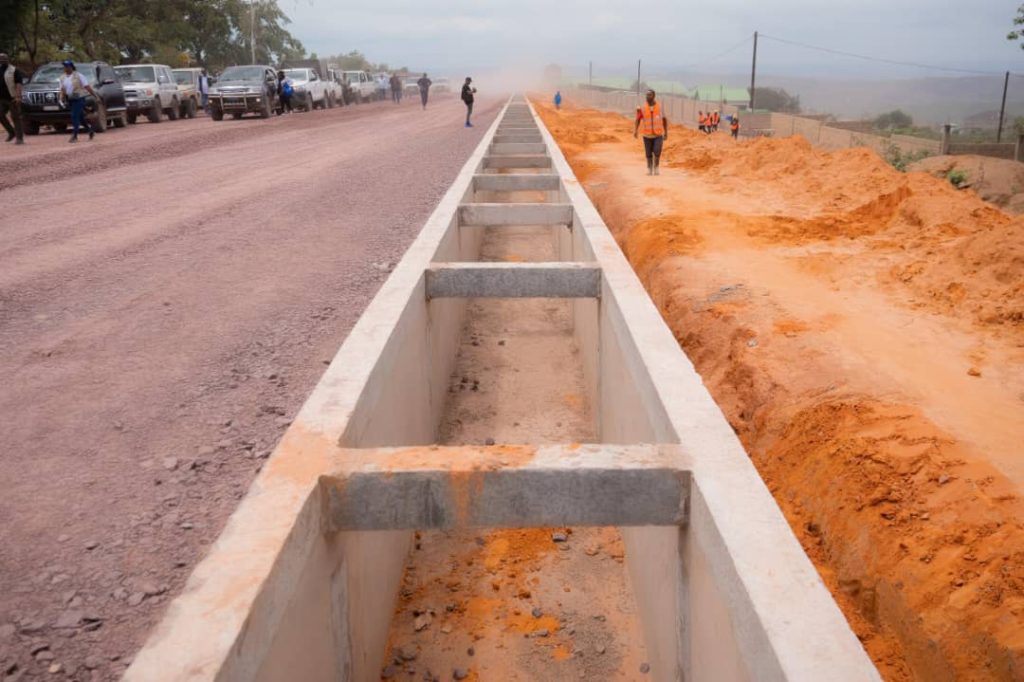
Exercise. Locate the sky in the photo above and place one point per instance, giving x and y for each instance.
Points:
(456, 36)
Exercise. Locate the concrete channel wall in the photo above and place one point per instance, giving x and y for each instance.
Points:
(724, 591)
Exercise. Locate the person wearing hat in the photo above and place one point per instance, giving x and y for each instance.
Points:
(467, 96)
(74, 87)
(11, 80)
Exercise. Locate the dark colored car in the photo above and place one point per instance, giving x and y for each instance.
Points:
(244, 89)
(40, 100)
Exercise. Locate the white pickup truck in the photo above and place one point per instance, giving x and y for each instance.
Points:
(361, 84)
(311, 91)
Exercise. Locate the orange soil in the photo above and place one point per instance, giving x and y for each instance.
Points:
(863, 331)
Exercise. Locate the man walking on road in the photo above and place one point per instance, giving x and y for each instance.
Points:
(204, 90)
(424, 84)
(11, 80)
(396, 88)
(467, 96)
(652, 123)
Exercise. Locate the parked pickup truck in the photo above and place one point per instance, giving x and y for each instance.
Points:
(150, 90)
(362, 85)
(40, 100)
(188, 90)
(239, 90)
(311, 91)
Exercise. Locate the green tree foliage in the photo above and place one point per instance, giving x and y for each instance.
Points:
(776, 99)
(893, 120)
(1018, 21)
(213, 33)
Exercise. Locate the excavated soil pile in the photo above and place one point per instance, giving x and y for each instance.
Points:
(863, 331)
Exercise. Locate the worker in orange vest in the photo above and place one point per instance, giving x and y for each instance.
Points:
(735, 127)
(716, 118)
(701, 121)
(651, 121)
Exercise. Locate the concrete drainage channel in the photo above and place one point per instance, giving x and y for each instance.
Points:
(303, 581)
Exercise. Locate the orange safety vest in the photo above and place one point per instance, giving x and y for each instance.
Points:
(715, 118)
(701, 118)
(735, 125)
(652, 123)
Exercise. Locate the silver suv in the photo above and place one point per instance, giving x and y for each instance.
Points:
(149, 89)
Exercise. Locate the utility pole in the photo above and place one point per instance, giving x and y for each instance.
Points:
(252, 30)
(753, 74)
(1002, 109)
(638, 78)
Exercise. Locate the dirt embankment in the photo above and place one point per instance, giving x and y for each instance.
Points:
(863, 331)
(998, 181)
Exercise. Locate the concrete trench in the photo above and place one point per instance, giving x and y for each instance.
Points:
(302, 583)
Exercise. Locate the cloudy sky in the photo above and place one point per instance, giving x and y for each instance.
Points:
(463, 35)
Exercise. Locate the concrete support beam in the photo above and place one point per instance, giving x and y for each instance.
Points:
(506, 487)
(517, 137)
(503, 148)
(511, 182)
(524, 161)
(513, 280)
(497, 215)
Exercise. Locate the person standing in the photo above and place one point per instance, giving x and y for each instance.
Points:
(204, 90)
(11, 80)
(382, 87)
(424, 84)
(558, 99)
(74, 87)
(396, 89)
(286, 90)
(734, 127)
(651, 122)
(468, 91)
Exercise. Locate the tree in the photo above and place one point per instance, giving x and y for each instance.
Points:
(1018, 21)
(776, 99)
(893, 120)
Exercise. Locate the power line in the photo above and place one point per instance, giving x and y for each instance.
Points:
(719, 56)
(881, 59)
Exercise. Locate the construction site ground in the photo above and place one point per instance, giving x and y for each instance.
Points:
(169, 295)
(863, 331)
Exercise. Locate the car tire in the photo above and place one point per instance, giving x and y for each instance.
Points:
(155, 113)
(190, 108)
(31, 127)
(266, 110)
(236, 115)
(216, 114)
(121, 121)
(132, 117)
(100, 121)
(172, 113)
(330, 100)
(60, 128)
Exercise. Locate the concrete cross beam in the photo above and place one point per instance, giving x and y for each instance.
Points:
(512, 182)
(495, 215)
(524, 161)
(501, 138)
(513, 280)
(522, 486)
(502, 148)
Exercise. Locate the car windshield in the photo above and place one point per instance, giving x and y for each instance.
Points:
(183, 77)
(136, 74)
(242, 73)
(297, 74)
(51, 73)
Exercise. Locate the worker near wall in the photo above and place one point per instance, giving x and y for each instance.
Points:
(716, 119)
(11, 80)
(702, 122)
(735, 127)
(558, 99)
(651, 122)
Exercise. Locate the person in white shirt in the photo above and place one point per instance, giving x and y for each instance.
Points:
(204, 90)
(74, 86)
(382, 87)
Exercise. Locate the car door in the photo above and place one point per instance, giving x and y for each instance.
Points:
(270, 83)
(111, 90)
(167, 86)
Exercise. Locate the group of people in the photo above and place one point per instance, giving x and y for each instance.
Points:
(653, 125)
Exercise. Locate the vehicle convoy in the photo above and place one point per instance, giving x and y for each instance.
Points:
(188, 90)
(311, 91)
(41, 104)
(362, 85)
(250, 89)
(150, 90)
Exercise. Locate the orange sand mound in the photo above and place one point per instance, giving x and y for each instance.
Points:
(862, 330)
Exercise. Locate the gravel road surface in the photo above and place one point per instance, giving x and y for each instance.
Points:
(169, 295)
